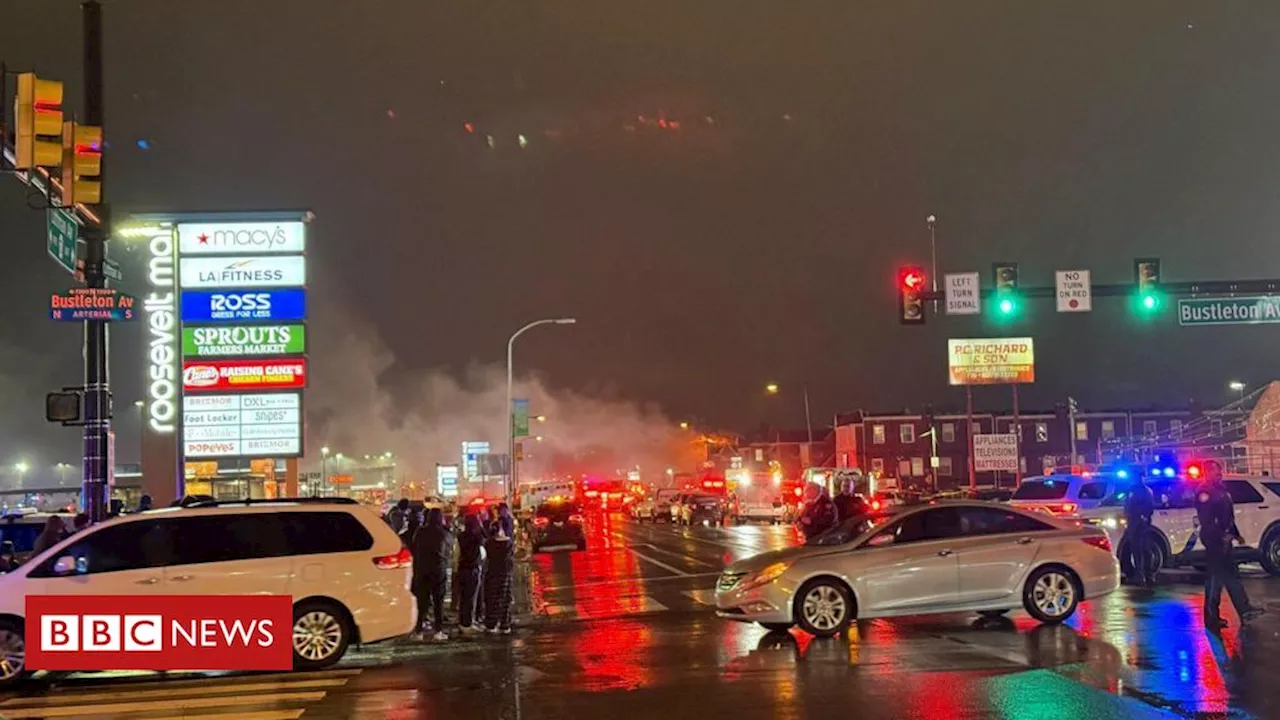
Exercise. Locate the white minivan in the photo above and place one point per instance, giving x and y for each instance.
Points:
(346, 570)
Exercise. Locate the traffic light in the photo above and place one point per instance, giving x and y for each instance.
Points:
(37, 123)
(81, 164)
(1006, 299)
(911, 284)
(1146, 276)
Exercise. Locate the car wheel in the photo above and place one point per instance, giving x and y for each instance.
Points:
(993, 614)
(776, 627)
(1051, 594)
(824, 608)
(1270, 553)
(13, 654)
(320, 635)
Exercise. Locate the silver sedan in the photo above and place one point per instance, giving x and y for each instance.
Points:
(938, 558)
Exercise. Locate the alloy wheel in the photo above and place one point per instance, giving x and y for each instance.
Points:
(1054, 594)
(316, 635)
(13, 654)
(824, 607)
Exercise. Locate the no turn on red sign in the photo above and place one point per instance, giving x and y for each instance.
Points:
(1074, 292)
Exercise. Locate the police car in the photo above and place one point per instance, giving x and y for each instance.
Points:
(1175, 527)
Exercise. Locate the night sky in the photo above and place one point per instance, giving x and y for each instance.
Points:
(720, 191)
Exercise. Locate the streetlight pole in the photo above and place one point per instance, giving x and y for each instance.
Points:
(933, 254)
(324, 479)
(510, 420)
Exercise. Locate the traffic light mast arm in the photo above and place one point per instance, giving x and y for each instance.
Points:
(48, 186)
(1190, 287)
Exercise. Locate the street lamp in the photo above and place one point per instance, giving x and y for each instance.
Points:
(324, 478)
(684, 425)
(21, 467)
(511, 426)
(540, 418)
(62, 469)
(773, 389)
(1238, 387)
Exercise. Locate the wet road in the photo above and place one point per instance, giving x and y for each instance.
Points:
(623, 631)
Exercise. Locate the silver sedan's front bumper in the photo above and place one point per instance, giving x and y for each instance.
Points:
(768, 603)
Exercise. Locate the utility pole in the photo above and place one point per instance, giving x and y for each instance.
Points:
(97, 387)
(1071, 427)
(933, 254)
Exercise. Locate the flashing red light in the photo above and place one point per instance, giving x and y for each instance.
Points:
(912, 279)
(593, 493)
(540, 522)
(799, 492)
(875, 504)
(1194, 471)
(575, 518)
(478, 501)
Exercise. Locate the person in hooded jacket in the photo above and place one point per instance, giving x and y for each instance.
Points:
(431, 547)
(500, 549)
(53, 533)
(820, 513)
(470, 544)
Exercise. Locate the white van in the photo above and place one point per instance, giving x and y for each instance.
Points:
(347, 571)
(1062, 495)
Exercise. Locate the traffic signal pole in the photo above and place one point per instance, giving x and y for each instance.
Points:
(95, 493)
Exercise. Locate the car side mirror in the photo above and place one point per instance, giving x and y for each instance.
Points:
(66, 565)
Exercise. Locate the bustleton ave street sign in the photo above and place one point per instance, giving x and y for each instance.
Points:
(1251, 310)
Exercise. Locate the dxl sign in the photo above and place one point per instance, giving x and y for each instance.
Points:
(243, 238)
(237, 305)
(991, 361)
(1257, 310)
(997, 451)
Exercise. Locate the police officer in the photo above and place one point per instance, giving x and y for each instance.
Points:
(1138, 508)
(1218, 531)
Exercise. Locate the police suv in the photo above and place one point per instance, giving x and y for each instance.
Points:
(1175, 527)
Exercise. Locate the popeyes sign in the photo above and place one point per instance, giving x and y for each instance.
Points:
(204, 375)
(991, 361)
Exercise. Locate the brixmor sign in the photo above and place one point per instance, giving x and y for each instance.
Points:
(244, 340)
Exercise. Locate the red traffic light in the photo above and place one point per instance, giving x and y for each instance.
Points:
(912, 279)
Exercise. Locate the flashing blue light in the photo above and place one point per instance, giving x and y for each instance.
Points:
(1168, 472)
(1123, 475)
(144, 145)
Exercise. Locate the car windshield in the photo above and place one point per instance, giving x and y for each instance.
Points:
(851, 529)
(1043, 489)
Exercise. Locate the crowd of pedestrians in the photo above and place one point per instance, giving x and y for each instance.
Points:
(483, 542)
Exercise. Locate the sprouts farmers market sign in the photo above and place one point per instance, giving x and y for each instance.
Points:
(244, 340)
(991, 361)
(1254, 310)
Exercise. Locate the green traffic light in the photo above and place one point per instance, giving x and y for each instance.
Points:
(1150, 302)
(1006, 306)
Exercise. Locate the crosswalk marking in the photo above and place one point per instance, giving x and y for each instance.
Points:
(608, 607)
(286, 694)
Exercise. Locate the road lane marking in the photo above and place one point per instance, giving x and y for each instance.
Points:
(608, 608)
(660, 564)
(70, 698)
(630, 581)
(655, 548)
(182, 703)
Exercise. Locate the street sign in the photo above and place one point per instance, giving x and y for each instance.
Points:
(998, 451)
(110, 270)
(991, 361)
(962, 293)
(1252, 310)
(1075, 294)
(520, 417)
(62, 238)
(91, 304)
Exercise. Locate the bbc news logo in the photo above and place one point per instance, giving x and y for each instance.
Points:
(161, 632)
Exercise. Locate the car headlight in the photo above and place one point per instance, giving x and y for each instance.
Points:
(765, 576)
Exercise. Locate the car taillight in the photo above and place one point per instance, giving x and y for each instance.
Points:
(875, 504)
(402, 559)
(1065, 508)
(1102, 542)
(575, 518)
(540, 522)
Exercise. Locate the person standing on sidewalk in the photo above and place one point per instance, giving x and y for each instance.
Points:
(431, 545)
(1218, 532)
(470, 546)
(500, 549)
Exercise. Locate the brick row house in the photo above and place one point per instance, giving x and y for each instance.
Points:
(898, 445)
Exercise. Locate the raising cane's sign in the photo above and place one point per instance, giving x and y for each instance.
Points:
(208, 375)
